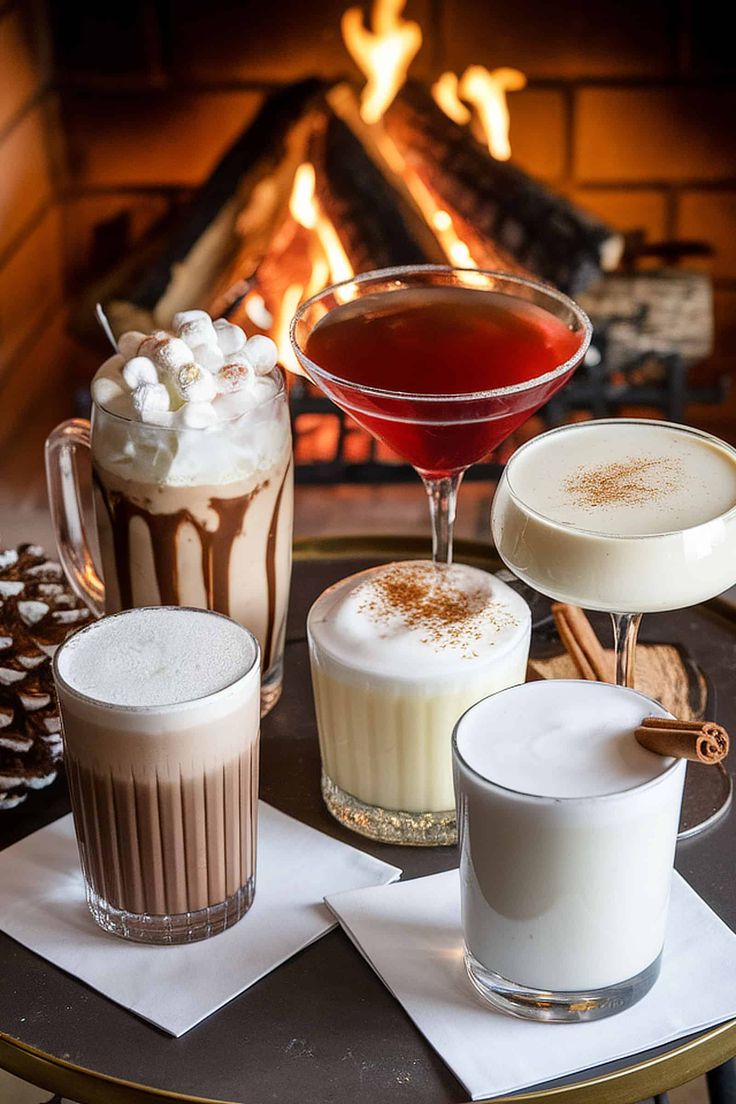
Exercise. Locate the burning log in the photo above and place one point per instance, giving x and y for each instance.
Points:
(506, 207)
(232, 220)
(376, 226)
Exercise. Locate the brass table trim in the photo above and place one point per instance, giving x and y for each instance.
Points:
(623, 1086)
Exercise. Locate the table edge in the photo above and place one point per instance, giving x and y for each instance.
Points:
(622, 1086)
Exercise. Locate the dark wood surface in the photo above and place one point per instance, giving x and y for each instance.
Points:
(322, 1028)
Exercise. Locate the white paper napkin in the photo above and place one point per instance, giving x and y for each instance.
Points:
(411, 935)
(42, 905)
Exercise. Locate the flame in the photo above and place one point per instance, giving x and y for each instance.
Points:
(384, 54)
(290, 300)
(446, 96)
(329, 261)
(487, 92)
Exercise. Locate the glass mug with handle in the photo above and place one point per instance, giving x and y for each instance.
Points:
(193, 505)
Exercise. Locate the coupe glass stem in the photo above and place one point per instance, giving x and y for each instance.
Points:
(442, 495)
(625, 631)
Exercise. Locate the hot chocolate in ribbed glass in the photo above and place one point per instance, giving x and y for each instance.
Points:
(160, 709)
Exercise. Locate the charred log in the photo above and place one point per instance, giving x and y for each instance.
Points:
(540, 229)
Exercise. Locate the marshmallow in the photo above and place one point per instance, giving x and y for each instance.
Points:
(139, 369)
(150, 344)
(209, 357)
(230, 338)
(195, 327)
(197, 415)
(106, 390)
(262, 353)
(150, 398)
(172, 354)
(258, 312)
(194, 384)
(130, 342)
(236, 374)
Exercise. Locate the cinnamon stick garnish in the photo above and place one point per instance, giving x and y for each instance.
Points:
(581, 643)
(699, 741)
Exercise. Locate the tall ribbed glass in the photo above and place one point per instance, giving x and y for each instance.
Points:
(165, 798)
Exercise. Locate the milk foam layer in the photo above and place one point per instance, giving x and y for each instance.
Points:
(561, 739)
(463, 617)
(180, 402)
(157, 657)
(627, 478)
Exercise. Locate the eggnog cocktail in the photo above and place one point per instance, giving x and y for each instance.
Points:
(398, 653)
(620, 515)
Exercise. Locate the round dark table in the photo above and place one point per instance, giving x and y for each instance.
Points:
(322, 1028)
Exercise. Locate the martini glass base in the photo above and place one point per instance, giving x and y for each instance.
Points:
(706, 800)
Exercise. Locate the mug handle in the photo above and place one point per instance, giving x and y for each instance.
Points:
(66, 512)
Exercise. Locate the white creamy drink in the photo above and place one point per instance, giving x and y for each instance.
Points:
(191, 450)
(160, 711)
(397, 653)
(620, 515)
(567, 830)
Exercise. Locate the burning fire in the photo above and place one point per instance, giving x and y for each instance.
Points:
(328, 261)
(487, 92)
(384, 54)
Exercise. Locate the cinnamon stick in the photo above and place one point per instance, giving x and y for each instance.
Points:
(581, 643)
(699, 741)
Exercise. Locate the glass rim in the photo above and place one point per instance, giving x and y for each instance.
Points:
(568, 799)
(457, 396)
(691, 431)
(279, 393)
(153, 710)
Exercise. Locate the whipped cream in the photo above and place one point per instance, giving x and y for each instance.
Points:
(218, 392)
(414, 621)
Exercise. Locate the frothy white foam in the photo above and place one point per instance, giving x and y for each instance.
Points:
(413, 621)
(625, 478)
(561, 739)
(156, 657)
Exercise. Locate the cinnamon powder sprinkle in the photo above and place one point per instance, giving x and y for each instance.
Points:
(630, 482)
(431, 599)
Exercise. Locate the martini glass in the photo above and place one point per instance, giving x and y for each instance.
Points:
(621, 515)
(440, 363)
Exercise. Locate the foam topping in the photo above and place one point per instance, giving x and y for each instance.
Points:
(156, 657)
(561, 739)
(404, 614)
(204, 373)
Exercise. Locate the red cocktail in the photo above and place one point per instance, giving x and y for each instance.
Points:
(442, 364)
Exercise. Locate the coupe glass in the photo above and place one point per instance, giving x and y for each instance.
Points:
(442, 433)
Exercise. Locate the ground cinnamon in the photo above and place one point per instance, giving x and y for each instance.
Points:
(580, 641)
(700, 741)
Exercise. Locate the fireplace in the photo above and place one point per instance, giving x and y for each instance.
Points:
(614, 117)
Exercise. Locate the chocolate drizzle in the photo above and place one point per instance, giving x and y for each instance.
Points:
(271, 636)
(216, 545)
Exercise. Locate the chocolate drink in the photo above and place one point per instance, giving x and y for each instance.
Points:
(164, 791)
(194, 506)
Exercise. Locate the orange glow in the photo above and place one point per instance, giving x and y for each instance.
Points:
(383, 54)
(487, 92)
(446, 96)
(329, 261)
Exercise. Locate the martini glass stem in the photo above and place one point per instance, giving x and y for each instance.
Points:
(442, 495)
(625, 631)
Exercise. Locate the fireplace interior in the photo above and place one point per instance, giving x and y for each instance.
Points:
(238, 157)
